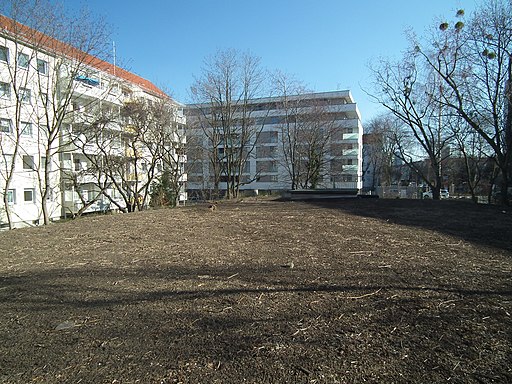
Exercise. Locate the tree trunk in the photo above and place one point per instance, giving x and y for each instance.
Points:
(507, 169)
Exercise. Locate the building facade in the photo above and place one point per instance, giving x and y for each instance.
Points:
(309, 141)
(66, 147)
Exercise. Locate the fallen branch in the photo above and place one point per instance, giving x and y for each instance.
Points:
(368, 294)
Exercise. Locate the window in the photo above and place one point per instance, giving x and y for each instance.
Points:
(274, 120)
(267, 178)
(266, 166)
(267, 137)
(26, 129)
(11, 196)
(24, 95)
(28, 195)
(42, 67)
(4, 54)
(336, 166)
(267, 151)
(5, 125)
(5, 90)
(78, 164)
(28, 162)
(23, 60)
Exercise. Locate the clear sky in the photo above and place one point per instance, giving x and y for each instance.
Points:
(327, 44)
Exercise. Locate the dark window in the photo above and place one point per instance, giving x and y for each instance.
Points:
(4, 53)
(5, 125)
(28, 162)
(5, 90)
(23, 60)
(28, 194)
(42, 67)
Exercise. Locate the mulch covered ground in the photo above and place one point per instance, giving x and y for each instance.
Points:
(262, 291)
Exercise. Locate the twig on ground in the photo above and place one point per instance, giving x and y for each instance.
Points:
(368, 294)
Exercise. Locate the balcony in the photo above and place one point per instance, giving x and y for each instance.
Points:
(98, 206)
(350, 136)
(350, 168)
(92, 88)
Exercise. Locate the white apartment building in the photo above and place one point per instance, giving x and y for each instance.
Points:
(329, 118)
(53, 134)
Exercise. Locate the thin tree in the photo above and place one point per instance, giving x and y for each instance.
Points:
(223, 111)
(380, 149)
(306, 129)
(287, 87)
(475, 154)
(409, 93)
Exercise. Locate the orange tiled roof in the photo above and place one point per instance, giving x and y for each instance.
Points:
(31, 36)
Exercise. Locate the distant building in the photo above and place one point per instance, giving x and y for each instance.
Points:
(46, 83)
(326, 130)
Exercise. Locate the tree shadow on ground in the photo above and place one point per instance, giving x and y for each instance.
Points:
(197, 325)
(482, 224)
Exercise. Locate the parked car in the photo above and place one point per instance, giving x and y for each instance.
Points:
(444, 194)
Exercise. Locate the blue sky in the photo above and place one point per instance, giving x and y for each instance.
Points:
(327, 44)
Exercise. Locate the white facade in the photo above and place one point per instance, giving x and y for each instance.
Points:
(266, 168)
(30, 87)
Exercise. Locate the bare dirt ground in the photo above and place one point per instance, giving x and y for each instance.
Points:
(383, 291)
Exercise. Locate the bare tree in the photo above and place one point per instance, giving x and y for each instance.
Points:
(54, 53)
(380, 149)
(99, 162)
(474, 64)
(198, 155)
(290, 131)
(410, 93)
(173, 160)
(230, 80)
(475, 154)
(164, 138)
(306, 130)
(131, 151)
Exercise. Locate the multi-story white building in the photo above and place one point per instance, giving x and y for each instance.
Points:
(285, 131)
(61, 125)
